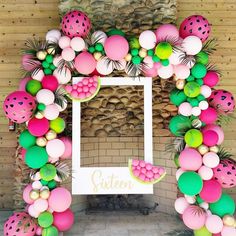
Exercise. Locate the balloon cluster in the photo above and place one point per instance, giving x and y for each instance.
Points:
(167, 52)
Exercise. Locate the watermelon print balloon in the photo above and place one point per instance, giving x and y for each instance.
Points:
(19, 106)
(76, 24)
(195, 25)
(222, 100)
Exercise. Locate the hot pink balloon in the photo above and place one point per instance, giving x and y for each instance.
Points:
(85, 63)
(218, 130)
(211, 79)
(75, 24)
(195, 25)
(68, 148)
(214, 224)
(63, 220)
(38, 127)
(194, 217)
(208, 116)
(167, 32)
(26, 195)
(60, 199)
(116, 47)
(23, 83)
(210, 138)
(211, 191)
(190, 159)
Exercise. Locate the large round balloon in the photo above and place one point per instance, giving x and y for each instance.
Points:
(147, 39)
(19, 106)
(75, 24)
(63, 220)
(38, 127)
(218, 130)
(26, 194)
(224, 206)
(36, 157)
(185, 183)
(179, 125)
(199, 71)
(193, 138)
(26, 139)
(116, 47)
(211, 191)
(68, 148)
(211, 79)
(192, 89)
(195, 25)
(194, 217)
(222, 100)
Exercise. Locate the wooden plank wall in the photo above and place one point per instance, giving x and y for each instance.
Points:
(19, 20)
(23, 19)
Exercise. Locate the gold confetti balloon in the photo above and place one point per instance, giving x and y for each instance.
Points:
(228, 220)
(214, 149)
(41, 141)
(34, 194)
(41, 55)
(51, 134)
(180, 84)
(203, 149)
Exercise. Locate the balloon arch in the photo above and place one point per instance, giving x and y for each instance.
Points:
(204, 167)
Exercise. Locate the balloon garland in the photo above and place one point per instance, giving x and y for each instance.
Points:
(204, 168)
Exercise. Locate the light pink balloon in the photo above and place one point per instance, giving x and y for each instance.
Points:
(39, 231)
(181, 204)
(60, 199)
(165, 72)
(26, 193)
(228, 231)
(185, 109)
(23, 83)
(167, 32)
(205, 172)
(55, 148)
(152, 72)
(116, 47)
(218, 130)
(51, 112)
(176, 57)
(77, 43)
(192, 45)
(41, 205)
(68, 54)
(68, 148)
(211, 160)
(147, 39)
(206, 91)
(33, 212)
(85, 63)
(181, 71)
(64, 42)
(214, 224)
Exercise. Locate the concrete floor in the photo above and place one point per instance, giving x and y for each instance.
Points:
(122, 224)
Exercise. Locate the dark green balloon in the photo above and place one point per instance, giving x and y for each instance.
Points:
(134, 52)
(33, 86)
(45, 219)
(50, 231)
(136, 60)
(177, 96)
(36, 157)
(190, 78)
(202, 57)
(115, 32)
(26, 139)
(49, 58)
(199, 70)
(199, 81)
(47, 71)
(224, 206)
(179, 125)
(91, 49)
(200, 98)
(199, 199)
(99, 47)
(165, 62)
(52, 184)
(44, 182)
(190, 183)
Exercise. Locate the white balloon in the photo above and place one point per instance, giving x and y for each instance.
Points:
(77, 44)
(37, 185)
(204, 205)
(165, 72)
(51, 112)
(53, 34)
(206, 91)
(147, 39)
(98, 37)
(192, 45)
(38, 75)
(103, 67)
(205, 172)
(196, 111)
(190, 199)
(176, 57)
(181, 204)
(178, 173)
(63, 75)
(185, 109)
(64, 42)
(55, 148)
(211, 160)
(45, 96)
(203, 105)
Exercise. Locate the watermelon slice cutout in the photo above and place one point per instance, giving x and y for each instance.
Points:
(145, 172)
(84, 90)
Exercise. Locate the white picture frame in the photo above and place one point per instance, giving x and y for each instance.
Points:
(92, 180)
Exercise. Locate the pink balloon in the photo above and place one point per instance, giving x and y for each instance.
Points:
(211, 159)
(60, 199)
(181, 204)
(85, 63)
(26, 195)
(68, 54)
(64, 42)
(41, 205)
(152, 72)
(194, 217)
(211, 79)
(38, 127)
(218, 130)
(39, 231)
(23, 83)
(116, 47)
(165, 72)
(211, 191)
(181, 71)
(228, 231)
(68, 148)
(167, 32)
(210, 138)
(205, 172)
(214, 224)
(190, 159)
(55, 148)
(50, 82)
(25, 62)
(63, 220)
(208, 116)
(23, 152)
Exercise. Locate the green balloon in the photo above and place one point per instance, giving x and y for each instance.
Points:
(26, 139)
(136, 60)
(179, 125)
(193, 138)
(199, 70)
(190, 78)
(45, 64)
(44, 182)
(115, 32)
(192, 89)
(177, 96)
(199, 81)
(165, 62)
(52, 67)
(155, 58)
(45, 219)
(36, 157)
(48, 172)
(47, 71)
(202, 57)
(200, 98)
(150, 52)
(202, 232)
(58, 125)
(163, 50)
(190, 183)
(50, 231)
(134, 43)
(91, 49)
(199, 199)
(176, 160)
(193, 101)
(49, 58)
(99, 47)
(41, 106)
(224, 206)
(52, 184)
(134, 52)
(33, 86)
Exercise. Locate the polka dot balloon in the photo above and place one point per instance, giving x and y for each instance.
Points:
(76, 24)
(195, 25)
